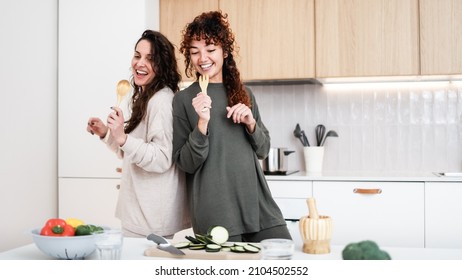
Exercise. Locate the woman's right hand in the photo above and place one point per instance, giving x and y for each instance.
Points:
(202, 104)
(96, 126)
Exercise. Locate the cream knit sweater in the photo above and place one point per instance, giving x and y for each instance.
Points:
(152, 196)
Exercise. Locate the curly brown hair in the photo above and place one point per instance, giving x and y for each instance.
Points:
(166, 71)
(213, 27)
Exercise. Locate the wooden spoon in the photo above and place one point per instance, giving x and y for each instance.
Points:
(123, 87)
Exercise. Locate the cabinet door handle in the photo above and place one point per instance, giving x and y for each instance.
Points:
(367, 191)
(119, 169)
(118, 186)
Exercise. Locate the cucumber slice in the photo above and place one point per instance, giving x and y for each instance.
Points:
(242, 244)
(251, 249)
(212, 248)
(193, 240)
(196, 246)
(201, 238)
(219, 234)
(255, 245)
(209, 240)
(181, 245)
(227, 244)
(226, 249)
(238, 249)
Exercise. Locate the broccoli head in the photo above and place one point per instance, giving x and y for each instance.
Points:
(364, 250)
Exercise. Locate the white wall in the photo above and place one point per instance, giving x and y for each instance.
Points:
(384, 129)
(28, 153)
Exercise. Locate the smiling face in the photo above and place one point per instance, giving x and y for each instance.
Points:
(207, 59)
(143, 73)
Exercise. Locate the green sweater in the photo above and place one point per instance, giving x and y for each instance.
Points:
(226, 185)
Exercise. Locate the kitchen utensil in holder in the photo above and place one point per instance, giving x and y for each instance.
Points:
(314, 157)
(315, 230)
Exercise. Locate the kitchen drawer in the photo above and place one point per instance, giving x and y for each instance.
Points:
(443, 211)
(390, 213)
(291, 189)
(91, 200)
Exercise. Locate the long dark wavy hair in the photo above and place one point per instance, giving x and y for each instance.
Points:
(166, 73)
(214, 28)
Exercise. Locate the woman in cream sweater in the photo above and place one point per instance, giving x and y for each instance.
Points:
(152, 196)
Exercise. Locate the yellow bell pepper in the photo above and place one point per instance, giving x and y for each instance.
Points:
(74, 222)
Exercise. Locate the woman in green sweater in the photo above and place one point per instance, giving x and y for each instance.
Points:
(218, 138)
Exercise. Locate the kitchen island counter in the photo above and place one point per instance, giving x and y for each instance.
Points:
(133, 249)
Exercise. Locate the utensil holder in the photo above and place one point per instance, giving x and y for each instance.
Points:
(316, 231)
(314, 157)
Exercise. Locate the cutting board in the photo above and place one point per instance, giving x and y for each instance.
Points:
(197, 254)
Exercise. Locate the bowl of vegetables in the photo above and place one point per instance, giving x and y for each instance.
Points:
(69, 239)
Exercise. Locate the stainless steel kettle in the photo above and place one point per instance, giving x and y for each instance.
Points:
(276, 161)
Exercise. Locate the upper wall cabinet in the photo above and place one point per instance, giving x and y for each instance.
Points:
(441, 37)
(175, 14)
(367, 38)
(275, 38)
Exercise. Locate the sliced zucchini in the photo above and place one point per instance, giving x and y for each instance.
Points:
(256, 245)
(213, 248)
(238, 249)
(242, 244)
(218, 234)
(200, 247)
(182, 245)
(196, 246)
(227, 244)
(201, 238)
(192, 239)
(226, 249)
(209, 240)
(251, 249)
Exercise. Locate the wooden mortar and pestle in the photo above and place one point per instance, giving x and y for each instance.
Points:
(316, 231)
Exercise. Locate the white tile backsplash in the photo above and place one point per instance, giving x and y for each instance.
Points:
(404, 128)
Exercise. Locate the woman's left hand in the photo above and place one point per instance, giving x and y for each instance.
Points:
(241, 113)
(115, 122)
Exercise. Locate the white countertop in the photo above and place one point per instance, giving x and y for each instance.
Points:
(367, 176)
(133, 249)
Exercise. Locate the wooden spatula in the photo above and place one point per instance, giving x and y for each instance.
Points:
(203, 83)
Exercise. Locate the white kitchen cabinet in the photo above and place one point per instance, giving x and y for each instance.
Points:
(443, 228)
(88, 44)
(291, 197)
(87, 169)
(389, 213)
(91, 200)
(95, 52)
